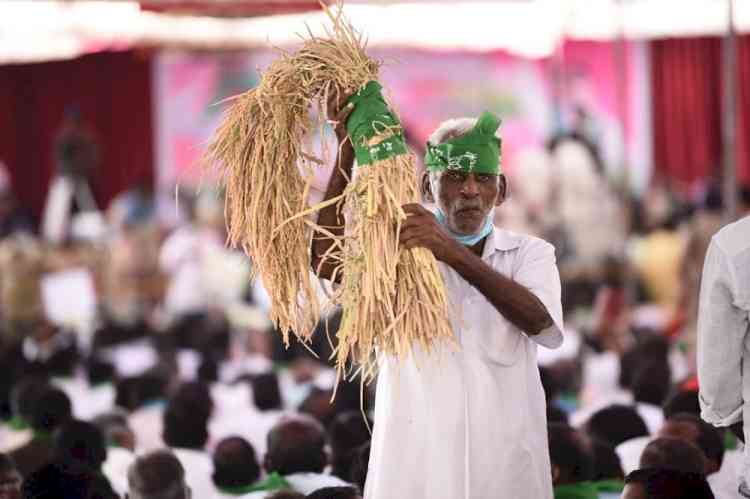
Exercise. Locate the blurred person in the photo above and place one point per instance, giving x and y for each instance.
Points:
(607, 466)
(682, 400)
(266, 391)
(615, 424)
(610, 327)
(286, 494)
(723, 326)
(12, 217)
(572, 463)
(76, 153)
(651, 385)
(68, 481)
(464, 395)
(80, 443)
(23, 395)
(236, 467)
(158, 475)
(335, 493)
(296, 456)
(347, 433)
(10, 479)
(52, 409)
(360, 464)
(673, 454)
(665, 484)
(120, 448)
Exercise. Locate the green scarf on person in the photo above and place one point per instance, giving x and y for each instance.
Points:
(581, 490)
(273, 481)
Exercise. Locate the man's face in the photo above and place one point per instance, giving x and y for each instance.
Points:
(467, 199)
(10, 485)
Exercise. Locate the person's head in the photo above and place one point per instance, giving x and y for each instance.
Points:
(68, 481)
(665, 484)
(52, 409)
(318, 405)
(744, 199)
(99, 371)
(23, 397)
(10, 478)
(607, 465)
(158, 475)
(651, 383)
(468, 184)
(570, 455)
(296, 445)
(235, 463)
(347, 432)
(185, 427)
(196, 396)
(694, 430)
(682, 401)
(673, 454)
(335, 493)
(116, 429)
(82, 443)
(133, 392)
(615, 424)
(266, 392)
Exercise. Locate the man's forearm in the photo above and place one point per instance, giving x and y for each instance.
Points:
(516, 303)
(330, 218)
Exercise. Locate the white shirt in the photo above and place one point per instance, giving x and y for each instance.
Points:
(723, 326)
(471, 424)
(115, 468)
(198, 470)
(630, 452)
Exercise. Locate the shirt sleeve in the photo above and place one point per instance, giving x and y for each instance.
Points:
(538, 273)
(722, 327)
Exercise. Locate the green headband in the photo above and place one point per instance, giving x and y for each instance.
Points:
(370, 118)
(477, 151)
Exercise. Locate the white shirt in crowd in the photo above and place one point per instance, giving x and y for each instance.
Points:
(723, 326)
(471, 423)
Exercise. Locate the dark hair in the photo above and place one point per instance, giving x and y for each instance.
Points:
(266, 392)
(286, 494)
(347, 432)
(156, 473)
(318, 405)
(133, 392)
(360, 464)
(335, 493)
(607, 465)
(650, 348)
(194, 396)
(235, 463)
(710, 439)
(208, 371)
(616, 424)
(51, 409)
(66, 481)
(570, 452)
(296, 446)
(671, 484)
(82, 443)
(682, 401)
(673, 454)
(184, 427)
(24, 396)
(99, 371)
(651, 383)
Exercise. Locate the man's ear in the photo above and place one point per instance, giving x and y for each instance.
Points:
(427, 193)
(502, 193)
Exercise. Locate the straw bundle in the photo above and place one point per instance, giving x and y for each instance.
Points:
(390, 298)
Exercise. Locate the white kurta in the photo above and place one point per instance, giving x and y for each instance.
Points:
(471, 423)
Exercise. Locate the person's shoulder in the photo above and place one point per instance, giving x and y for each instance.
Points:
(734, 238)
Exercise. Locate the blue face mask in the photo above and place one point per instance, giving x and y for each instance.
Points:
(471, 239)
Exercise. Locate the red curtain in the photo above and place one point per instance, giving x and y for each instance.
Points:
(686, 83)
(113, 94)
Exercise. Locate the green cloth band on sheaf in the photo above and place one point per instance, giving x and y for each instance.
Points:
(477, 151)
(369, 118)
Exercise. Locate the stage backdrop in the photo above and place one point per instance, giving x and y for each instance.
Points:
(534, 98)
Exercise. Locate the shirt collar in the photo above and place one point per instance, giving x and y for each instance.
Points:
(500, 240)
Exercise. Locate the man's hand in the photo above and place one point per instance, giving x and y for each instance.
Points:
(421, 229)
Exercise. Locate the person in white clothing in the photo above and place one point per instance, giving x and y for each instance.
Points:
(158, 475)
(467, 423)
(723, 327)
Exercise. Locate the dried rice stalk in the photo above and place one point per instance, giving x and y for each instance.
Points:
(390, 298)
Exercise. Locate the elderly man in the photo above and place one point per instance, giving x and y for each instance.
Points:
(466, 424)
